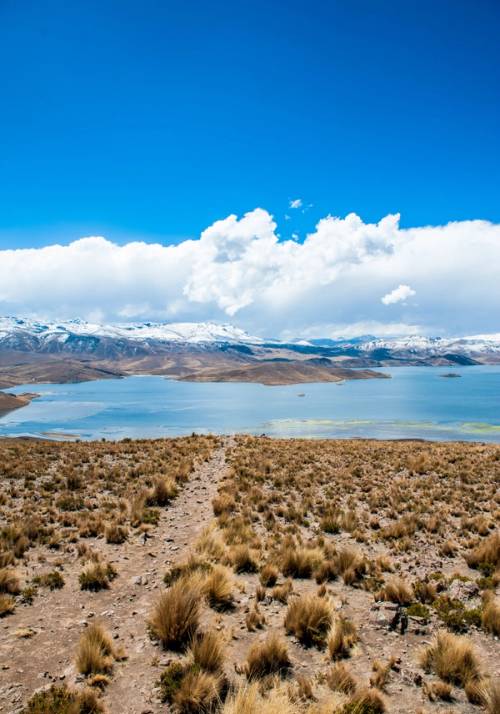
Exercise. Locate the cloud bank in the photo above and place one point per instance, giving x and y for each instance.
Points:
(239, 270)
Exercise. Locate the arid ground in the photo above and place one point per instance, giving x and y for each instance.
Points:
(247, 575)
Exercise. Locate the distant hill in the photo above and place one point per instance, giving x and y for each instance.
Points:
(76, 350)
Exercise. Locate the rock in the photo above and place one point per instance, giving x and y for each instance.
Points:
(460, 590)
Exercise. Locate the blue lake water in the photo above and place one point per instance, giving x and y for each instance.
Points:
(417, 402)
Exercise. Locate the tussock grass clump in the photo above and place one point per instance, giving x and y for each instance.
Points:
(268, 575)
(350, 564)
(198, 693)
(490, 617)
(7, 605)
(96, 576)
(210, 544)
(439, 691)
(301, 562)
(243, 560)
(452, 658)
(268, 657)
(192, 566)
(340, 679)
(53, 580)
(116, 534)
(175, 617)
(397, 590)
(61, 700)
(365, 701)
(95, 651)
(250, 700)
(342, 638)
(486, 556)
(9, 582)
(164, 490)
(309, 618)
(254, 619)
(218, 588)
(207, 651)
(281, 592)
(223, 503)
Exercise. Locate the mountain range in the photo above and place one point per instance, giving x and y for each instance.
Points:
(77, 350)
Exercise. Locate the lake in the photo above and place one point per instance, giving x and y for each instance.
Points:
(417, 402)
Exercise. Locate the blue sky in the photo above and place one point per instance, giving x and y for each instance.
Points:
(155, 119)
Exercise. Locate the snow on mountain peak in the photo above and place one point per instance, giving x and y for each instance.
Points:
(192, 332)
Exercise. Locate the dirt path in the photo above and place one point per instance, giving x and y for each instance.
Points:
(57, 618)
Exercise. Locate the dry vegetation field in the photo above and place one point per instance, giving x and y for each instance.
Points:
(283, 576)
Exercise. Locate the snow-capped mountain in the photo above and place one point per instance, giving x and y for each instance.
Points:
(81, 336)
(417, 344)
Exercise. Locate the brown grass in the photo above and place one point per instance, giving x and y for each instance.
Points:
(268, 657)
(452, 658)
(342, 638)
(207, 651)
(309, 618)
(175, 617)
(95, 651)
(9, 582)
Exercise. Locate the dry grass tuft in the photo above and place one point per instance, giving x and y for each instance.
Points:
(452, 658)
(9, 582)
(268, 575)
(365, 701)
(198, 693)
(340, 679)
(175, 617)
(95, 651)
(309, 618)
(7, 605)
(218, 588)
(61, 700)
(342, 638)
(207, 651)
(397, 590)
(268, 657)
(490, 618)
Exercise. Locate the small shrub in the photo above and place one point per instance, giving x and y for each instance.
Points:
(53, 580)
(61, 700)
(170, 681)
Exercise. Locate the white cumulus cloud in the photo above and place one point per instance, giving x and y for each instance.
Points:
(399, 294)
(239, 268)
(295, 203)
